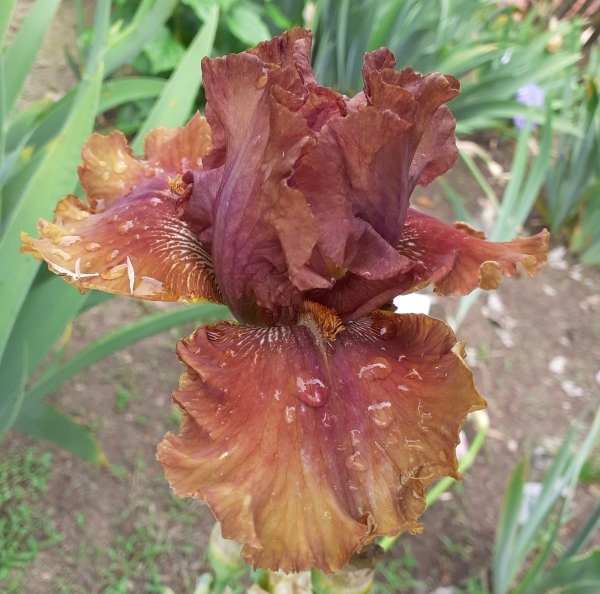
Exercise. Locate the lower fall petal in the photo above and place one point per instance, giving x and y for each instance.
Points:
(308, 441)
(457, 259)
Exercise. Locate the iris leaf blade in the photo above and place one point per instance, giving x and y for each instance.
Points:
(119, 339)
(19, 57)
(47, 423)
(175, 103)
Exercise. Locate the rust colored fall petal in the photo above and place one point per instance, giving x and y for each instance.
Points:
(308, 441)
(131, 239)
(457, 259)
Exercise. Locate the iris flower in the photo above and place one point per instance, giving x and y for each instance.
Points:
(318, 419)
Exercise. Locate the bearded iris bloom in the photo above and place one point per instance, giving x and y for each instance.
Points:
(318, 419)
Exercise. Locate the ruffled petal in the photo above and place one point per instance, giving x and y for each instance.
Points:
(131, 239)
(263, 232)
(308, 441)
(457, 259)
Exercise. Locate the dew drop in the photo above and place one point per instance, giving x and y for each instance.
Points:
(290, 412)
(101, 163)
(106, 175)
(112, 255)
(261, 79)
(392, 439)
(115, 272)
(379, 368)
(443, 456)
(123, 228)
(61, 254)
(327, 515)
(385, 328)
(149, 173)
(356, 462)
(402, 388)
(67, 240)
(120, 167)
(381, 414)
(154, 201)
(312, 391)
(92, 247)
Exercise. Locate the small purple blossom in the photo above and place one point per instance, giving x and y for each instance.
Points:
(531, 95)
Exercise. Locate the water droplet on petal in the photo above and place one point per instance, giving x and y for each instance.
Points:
(402, 388)
(123, 228)
(112, 255)
(443, 456)
(312, 391)
(154, 201)
(381, 414)
(149, 172)
(114, 272)
(92, 247)
(356, 462)
(289, 414)
(61, 254)
(385, 328)
(67, 240)
(101, 163)
(379, 368)
(120, 167)
(106, 175)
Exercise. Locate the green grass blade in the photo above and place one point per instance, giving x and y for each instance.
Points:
(45, 422)
(142, 30)
(6, 12)
(55, 177)
(505, 563)
(175, 103)
(119, 339)
(19, 57)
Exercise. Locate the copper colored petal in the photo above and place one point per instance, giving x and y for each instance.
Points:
(110, 170)
(457, 259)
(308, 441)
(139, 246)
(132, 239)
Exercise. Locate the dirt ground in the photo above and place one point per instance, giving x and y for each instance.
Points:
(123, 531)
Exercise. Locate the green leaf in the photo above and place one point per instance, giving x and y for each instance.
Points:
(119, 339)
(202, 8)
(245, 24)
(35, 332)
(139, 33)
(505, 564)
(460, 212)
(6, 12)
(45, 422)
(52, 180)
(18, 59)
(577, 575)
(164, 52)
(175, 103)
